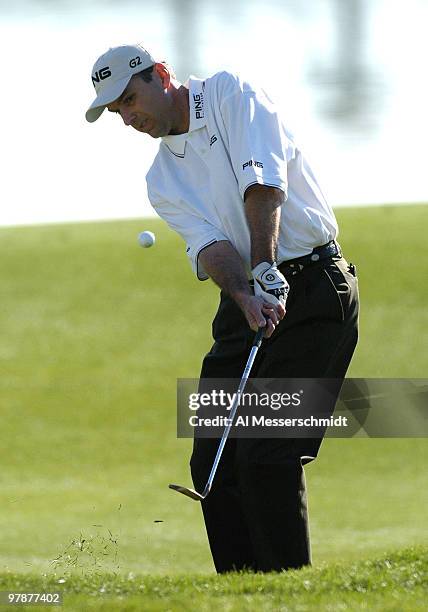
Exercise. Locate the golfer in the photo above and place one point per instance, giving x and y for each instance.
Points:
(233, 181)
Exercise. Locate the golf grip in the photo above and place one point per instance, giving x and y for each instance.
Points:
(259, 336)
(255, 347)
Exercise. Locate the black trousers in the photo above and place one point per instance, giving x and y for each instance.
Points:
(256, 513)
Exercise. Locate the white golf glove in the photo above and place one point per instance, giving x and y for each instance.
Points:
(270, 284)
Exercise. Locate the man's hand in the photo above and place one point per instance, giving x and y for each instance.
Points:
(270, 284)
(259, 312)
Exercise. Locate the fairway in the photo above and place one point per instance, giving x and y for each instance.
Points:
(394, 581)
(95, 332)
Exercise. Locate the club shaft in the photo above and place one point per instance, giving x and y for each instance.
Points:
(235, 405)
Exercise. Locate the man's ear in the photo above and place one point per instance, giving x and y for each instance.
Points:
(164, 74)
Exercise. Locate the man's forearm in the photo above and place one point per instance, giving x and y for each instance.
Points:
(222, 262)
(263, 212)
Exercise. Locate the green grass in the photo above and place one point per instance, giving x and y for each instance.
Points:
(95, 332)
(396, 581)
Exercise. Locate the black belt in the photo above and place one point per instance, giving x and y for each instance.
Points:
(294, 266)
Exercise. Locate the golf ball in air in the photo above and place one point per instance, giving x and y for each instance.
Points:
(146, 239)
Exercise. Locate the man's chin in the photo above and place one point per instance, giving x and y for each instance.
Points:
(153, 133)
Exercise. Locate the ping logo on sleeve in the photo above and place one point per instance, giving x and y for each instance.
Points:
(250, 163)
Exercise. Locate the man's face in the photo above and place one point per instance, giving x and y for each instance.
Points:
(147, 107)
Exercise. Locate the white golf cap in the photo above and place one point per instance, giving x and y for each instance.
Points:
(112, 72)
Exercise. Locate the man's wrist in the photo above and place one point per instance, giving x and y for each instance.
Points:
(258, 261)
(241, 295)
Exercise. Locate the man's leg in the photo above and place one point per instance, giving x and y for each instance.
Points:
(316, 339)
(274, 499)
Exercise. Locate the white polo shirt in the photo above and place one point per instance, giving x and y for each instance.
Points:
(236, 138)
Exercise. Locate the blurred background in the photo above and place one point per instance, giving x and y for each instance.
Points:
(349, 74)
(93, 342)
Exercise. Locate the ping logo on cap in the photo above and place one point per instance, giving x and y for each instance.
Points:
(101, 74)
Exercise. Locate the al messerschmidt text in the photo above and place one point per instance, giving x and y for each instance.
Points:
(257, 421)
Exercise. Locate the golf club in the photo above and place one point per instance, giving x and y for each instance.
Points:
(201, 496)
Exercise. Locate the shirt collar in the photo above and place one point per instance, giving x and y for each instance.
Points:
(197, 111)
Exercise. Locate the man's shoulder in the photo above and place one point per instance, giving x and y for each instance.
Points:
(224, 77)
(225, 84)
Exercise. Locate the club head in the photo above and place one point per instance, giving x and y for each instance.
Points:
(189, 492)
